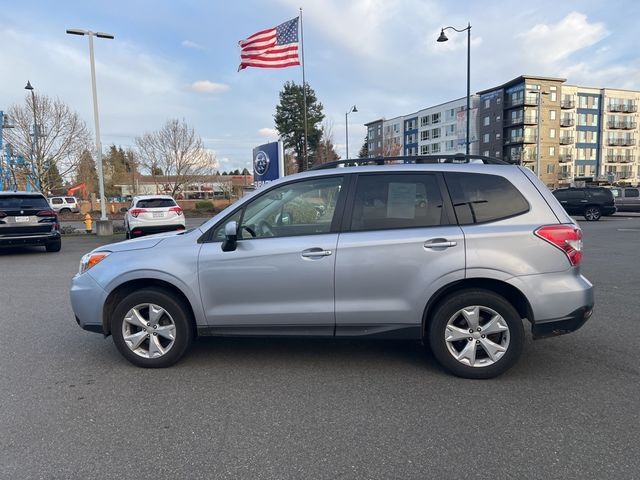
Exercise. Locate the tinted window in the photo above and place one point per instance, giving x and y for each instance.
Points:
(481, 198)
(156, 203)
(601, 194)
(631, 192)
(56, 201)
(576, 195)
(70, 200)
(299, 208)
(396, 201)
(12, 202)
(616, 192)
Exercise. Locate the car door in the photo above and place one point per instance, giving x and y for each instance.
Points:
(280, 277)
(399, 245)
(573, 201)
(631, 200)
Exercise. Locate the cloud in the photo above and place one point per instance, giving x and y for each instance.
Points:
(206, 86)
(268, 132)
(549, 43)
(193, 45)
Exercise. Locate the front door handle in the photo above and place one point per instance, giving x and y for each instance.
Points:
(439, 243)
(316, 252)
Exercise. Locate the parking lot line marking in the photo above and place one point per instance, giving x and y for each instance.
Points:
(629, 229)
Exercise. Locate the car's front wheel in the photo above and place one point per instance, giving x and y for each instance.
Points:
(151, 328)
(592, 214)
(476, 334)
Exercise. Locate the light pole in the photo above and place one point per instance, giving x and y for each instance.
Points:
(90, 34)
(34, 145)
(443, 38)
(539, 101)
(346, 127)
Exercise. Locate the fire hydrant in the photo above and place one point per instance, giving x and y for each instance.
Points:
(88, 222)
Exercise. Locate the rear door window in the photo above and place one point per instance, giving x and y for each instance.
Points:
(70, 200)
(479, 198)
(156, 203)
(56, 201)
(631, 193)
(386, 201)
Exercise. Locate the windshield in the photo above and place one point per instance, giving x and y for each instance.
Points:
(156, 203)
(20, 202)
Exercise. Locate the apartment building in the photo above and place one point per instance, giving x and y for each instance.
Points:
(374, 137)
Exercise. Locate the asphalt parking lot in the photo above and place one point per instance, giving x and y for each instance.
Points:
(72, 407)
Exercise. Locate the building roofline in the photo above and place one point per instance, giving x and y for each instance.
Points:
(374, 121)
(603, 88)
(519, 79)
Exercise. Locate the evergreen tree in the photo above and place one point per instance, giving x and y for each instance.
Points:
(245, 171)
(289, 120)
(87, 173)
(364, 150)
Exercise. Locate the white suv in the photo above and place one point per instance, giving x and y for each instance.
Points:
(153, 214)
(64, 204)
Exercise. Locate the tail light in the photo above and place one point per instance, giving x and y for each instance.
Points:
(137, 211)
(46, 213)
(567, 238)
(178, 210)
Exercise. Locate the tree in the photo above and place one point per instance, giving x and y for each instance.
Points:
(120, 168)
(62, 137)
(364, 150)
(53, 180)
(178, 151)
(86, 173)
(245, 171)
(235, 172)
(326, 150)
(289, 120)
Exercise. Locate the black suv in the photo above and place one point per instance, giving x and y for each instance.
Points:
(26, 218)
(591, 202)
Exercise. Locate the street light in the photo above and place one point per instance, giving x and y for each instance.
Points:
(346, 127)
(90, 34)
(443, 38)
(539, 101)
(34, 145)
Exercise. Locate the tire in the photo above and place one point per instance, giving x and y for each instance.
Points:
(474, 357)
(54, 246)
(127, 234)
(592, 213)
(173, 320)
(64, 211)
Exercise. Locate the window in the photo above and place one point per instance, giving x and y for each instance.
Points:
(485, 153)
(498, 136)
(550, 168)
(498, 153)
(424, 121)
(631, 192)
(487, 103)
(396, 201)
(425, 135)
(435, 133)
(450, 145)
(481, 198)
(552, 151)
(485, 138)
(552, 133)
(424, 149)
(435, 148)
(552, 114)
(56, 201)
(156, 203)
(435, 118)
(299, 208)
(486, 121)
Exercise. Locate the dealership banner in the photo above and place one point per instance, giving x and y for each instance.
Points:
(268, 163)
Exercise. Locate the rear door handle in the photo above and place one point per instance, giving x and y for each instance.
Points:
(439, 243)
(316, 252)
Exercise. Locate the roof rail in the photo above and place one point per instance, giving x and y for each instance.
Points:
(414, 159)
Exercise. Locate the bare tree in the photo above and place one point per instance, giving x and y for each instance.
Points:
(62, 137)
(326, 150)
(176, 151)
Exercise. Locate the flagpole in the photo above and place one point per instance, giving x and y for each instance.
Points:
(304, 95)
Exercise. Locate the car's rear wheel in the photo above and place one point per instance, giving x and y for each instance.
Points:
(54, 246)
(476, 334)
(592, 214)
(151, 328)
(64, 211)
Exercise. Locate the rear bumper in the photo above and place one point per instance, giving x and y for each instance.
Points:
(31, 239)
(561, 326)
(608, 210)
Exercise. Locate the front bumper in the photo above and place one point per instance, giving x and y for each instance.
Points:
(87, 300)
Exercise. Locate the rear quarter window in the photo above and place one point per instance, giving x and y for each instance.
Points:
(480, 198)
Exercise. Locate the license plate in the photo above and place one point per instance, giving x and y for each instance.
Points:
(22, 219)
(158, 214)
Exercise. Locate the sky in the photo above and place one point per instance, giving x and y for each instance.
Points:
(179, 59)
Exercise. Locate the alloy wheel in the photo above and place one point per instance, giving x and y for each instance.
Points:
(148, 330)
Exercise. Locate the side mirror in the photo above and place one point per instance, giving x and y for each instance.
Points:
(230, 237)
(124, 210)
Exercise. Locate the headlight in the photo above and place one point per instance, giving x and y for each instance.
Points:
(91, 260)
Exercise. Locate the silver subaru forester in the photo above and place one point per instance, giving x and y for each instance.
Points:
(455, 251)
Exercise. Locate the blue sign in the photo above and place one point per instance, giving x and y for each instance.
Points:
(268, 163)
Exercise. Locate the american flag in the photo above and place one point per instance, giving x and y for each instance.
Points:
(272, 48)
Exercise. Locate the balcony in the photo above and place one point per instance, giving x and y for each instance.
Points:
(514, 102)
(620, 158)
(510, 121)
(565, 157)
(622, 125)
(531, 100)
(509, 140)
(566, 140)
(530, 120)
(568, 104)
(621, 142)
(623, 107)
(564, 175)
(567, 122)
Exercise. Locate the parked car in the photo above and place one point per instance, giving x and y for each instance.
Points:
(627, 199)
(27, 219)
(590, 202)
(153, 214)
(491, 246)
(64, 204)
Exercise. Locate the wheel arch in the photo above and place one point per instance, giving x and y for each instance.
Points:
(124, 289)
(514, 296)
